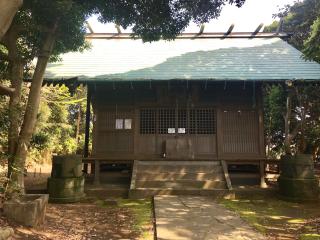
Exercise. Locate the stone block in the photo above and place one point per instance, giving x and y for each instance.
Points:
(28, 210)
(64, 166)
(299, 190)
(6, 233)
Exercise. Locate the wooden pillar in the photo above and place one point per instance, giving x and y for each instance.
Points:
(87, 129)
(85, 168)
(263, 183)
(226, 174)
(96, 172)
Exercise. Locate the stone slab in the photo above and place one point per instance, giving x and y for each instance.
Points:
(199, 218)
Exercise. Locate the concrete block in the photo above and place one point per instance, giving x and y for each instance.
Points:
(28, 210)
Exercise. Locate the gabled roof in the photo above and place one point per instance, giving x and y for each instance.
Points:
(232, 58)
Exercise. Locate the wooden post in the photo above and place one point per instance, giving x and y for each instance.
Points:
(96, 172)
(226, 174)
(263, 183)
(87, 130)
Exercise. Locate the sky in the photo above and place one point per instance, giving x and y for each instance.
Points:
(246, 19)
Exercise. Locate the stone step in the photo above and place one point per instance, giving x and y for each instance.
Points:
(181, 184)
(180, 169)
(170, 176)
(139, 193)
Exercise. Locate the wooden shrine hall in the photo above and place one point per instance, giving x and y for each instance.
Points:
(182, 113)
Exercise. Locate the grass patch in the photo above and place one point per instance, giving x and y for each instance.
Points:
(309, 237)
(142, 212)
(276, 217)
(243, 208)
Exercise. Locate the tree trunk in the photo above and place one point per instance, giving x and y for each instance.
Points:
(289, 133)
(78, 123)
(8, 9)
(30, 116)
(16, 63)
(287, 123)
(14, 109)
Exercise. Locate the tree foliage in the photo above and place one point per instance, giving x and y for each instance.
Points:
(274, 107)
(154, 19)
(302, 21)
(312, 44)
(304, 122)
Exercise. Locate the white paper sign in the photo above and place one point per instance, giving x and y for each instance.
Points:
(181, 130)
(171, 130)
(127, 123)
(119, 123)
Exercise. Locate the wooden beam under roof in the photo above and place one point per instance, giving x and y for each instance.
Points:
(200, 31)
(118, 28)
(89, 27)
(109, 36)
(229, 31)
(279, 29)
(257, 30)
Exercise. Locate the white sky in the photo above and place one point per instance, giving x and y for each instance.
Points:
(246, 18)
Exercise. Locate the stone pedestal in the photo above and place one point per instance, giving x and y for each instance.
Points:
(66, 190)
(66, 184)
(28, 210)
(297, 181)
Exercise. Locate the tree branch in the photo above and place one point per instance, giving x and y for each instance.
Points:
(6, 90)
(8, 9)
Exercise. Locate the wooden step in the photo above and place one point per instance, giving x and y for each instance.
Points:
(176, 177)
(182, 184)
(180, 163)
(170, 176)
(180, 169)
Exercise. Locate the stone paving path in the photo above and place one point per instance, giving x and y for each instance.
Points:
(199, 218)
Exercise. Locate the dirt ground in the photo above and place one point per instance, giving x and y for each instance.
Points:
(93, 218)
(84, 221)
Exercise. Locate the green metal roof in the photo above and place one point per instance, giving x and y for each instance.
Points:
(263, 59)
